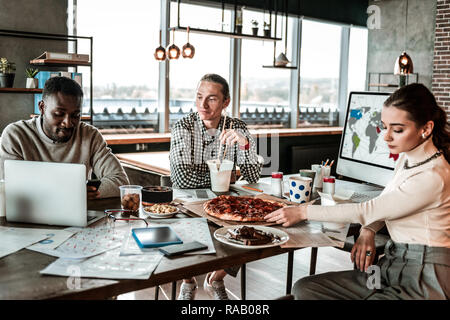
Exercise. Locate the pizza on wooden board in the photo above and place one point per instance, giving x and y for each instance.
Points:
(240, 208)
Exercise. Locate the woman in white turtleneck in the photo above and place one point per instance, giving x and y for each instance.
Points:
(414, 206)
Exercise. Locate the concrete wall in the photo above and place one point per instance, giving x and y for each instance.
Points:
(388, 42)
(48, 16)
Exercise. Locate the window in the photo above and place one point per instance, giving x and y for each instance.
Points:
(212, 55)
(319, 73)
(264, 100)
(357, 61)
(125, 74)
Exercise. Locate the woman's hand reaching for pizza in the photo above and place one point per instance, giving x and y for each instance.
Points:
(287, 216)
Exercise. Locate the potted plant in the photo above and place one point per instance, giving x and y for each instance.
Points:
(266, 29)
(7, 73)
(32, 82)
(255, 27)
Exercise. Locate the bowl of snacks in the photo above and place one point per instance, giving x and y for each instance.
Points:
(160, 210)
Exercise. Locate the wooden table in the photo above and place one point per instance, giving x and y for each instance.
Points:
(20, 277)
(157, 161)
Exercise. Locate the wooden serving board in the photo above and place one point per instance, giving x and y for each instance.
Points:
(197, 208)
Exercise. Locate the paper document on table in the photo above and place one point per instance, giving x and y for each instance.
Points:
(314, 234)
(90, 242)
(189, 229)
(15, 239)
(108, 265)
(55, 238)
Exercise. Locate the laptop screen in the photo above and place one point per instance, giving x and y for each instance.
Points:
(46, 193)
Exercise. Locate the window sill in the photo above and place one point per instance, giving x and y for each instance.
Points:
(121, 139)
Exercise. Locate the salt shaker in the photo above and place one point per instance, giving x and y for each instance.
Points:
(277, 183)
(328, 185)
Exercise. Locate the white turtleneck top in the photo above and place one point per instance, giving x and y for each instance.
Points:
(415, 205)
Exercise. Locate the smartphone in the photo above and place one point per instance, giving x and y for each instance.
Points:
(94, 183)
(177, 249)
(201, 194)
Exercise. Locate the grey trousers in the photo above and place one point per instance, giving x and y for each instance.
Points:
(405, 272)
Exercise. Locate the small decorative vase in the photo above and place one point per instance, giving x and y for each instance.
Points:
(32, 83)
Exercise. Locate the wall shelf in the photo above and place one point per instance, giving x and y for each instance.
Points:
(280, 67)
(83, 118)
(55, 62)
(225, 34)
(20, 90)
(60, 63)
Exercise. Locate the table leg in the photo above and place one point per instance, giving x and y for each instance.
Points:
(312, 264)
(243, 277)
(174, 290)
(290, 266)
(156, 292)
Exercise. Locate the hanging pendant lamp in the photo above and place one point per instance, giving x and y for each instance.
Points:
(282, 60)
(404, 64)
(188, 49)
(160, 52)
(173, 52)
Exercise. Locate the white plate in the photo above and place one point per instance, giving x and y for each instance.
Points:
(160, 215)
(219, 234)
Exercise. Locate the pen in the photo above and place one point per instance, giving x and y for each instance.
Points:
(326, 162)
(331, 163)
(254, 189)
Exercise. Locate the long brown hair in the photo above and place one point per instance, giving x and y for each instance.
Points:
(422, 107)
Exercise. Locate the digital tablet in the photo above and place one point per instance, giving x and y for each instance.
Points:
(153, 237)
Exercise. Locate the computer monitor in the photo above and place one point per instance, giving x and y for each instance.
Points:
(363, 153)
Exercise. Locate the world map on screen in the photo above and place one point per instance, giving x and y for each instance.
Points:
(363, 137)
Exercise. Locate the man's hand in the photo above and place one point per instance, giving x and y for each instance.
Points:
(364, 244)
(288, 216)
(92, 192)
(232, 136)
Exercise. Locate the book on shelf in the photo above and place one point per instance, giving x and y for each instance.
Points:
(60, 56)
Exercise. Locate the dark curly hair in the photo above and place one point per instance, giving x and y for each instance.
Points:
(64, 85)
(422, 107)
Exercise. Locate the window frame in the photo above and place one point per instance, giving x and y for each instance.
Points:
(235, 69)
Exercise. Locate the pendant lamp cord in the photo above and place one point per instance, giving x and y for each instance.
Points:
(285, 33)
(406, 23)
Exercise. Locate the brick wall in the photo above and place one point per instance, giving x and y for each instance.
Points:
(441, 63)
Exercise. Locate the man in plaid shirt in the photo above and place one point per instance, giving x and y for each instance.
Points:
(198, 137)
(205, 135)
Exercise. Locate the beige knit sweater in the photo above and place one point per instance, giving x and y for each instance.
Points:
(415, 205)
(25, 140)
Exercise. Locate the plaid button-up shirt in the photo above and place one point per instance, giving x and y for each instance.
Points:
(192, 145)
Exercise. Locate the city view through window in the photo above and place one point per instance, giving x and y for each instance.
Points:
(125, 73)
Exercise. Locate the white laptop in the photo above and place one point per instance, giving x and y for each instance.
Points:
(47, 193)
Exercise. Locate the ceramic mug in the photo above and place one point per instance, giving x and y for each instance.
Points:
(319, 175)
(300, 189)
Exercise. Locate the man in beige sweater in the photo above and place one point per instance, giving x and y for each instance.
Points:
(57, 135)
